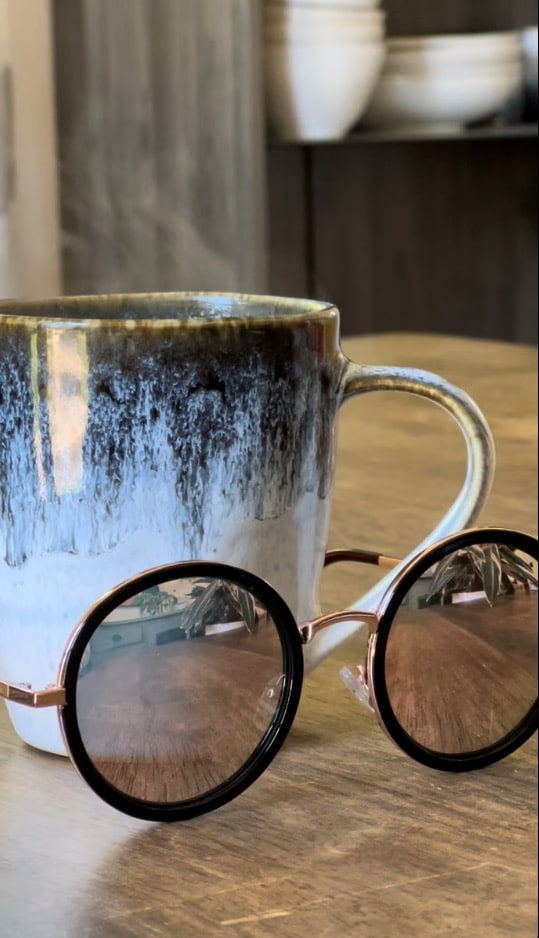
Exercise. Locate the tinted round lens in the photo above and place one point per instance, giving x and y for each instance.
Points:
(461, 656)
(178, 687)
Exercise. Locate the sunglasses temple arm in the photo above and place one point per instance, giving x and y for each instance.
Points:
(24, 694)
(355, 555)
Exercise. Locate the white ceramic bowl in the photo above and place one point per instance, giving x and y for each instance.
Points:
(444, 101)
(322, 18)
(465, 44)
(431, 57)
(318, 91)
(327, 4)
(317, 34)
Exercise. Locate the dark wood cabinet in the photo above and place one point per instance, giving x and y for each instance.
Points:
(426, 235)
(422, 17)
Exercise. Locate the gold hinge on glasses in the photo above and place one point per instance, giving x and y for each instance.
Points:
(25, 695)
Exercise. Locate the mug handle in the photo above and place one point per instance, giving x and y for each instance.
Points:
(481, 461)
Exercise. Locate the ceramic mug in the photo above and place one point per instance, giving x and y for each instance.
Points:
(140, 430)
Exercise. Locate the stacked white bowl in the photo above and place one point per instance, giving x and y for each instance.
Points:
(322, 61)
(442, 83)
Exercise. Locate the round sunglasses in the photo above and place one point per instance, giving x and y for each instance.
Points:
(178, 687)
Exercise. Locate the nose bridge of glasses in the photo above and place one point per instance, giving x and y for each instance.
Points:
(24, 694)
(309, 629)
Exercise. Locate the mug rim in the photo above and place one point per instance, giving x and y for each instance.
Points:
(163, 308)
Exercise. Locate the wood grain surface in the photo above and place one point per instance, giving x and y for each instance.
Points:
(343, 834)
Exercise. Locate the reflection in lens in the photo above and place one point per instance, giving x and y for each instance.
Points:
(461, 657)
(178, 687)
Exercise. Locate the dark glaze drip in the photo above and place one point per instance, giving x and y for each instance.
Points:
(175, 407)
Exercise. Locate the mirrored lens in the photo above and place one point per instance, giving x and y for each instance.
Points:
(178, 687)
(461, 656)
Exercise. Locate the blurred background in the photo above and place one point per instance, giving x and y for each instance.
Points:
(377, 154)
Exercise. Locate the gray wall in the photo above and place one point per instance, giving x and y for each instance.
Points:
(161, 145)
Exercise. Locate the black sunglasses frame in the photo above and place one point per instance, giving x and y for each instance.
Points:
(268, 747)
(292, 637)
(388, 608)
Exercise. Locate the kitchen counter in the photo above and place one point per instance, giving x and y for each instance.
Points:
(343, 834)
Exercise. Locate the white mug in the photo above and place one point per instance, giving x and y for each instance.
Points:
(140, 430)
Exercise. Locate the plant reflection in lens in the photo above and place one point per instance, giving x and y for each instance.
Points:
(461, 656)
(178, 687)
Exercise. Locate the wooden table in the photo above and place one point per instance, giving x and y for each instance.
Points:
(343, 835)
